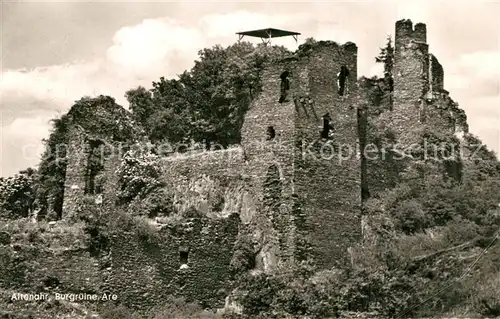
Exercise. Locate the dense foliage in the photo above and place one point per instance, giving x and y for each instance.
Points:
(52, 170)
(434, 254)
(139, 174)
(207, 103)
(17, 194)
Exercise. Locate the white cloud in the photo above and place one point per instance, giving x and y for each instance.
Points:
(59, 84)
(146, 49)
(19, 128)
(482, 63)
(474, 82)
(22, 138)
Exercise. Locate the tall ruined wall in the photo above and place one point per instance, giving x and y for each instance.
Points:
(411, 81)
(423, 111)
(423, 114)
(74, 184)
(328, 170)
(379, 166)
(97, 130)
(90, 170)
(269, 161)
(316, 201)
(147, 272)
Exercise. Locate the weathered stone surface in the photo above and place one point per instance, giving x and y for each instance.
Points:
(299, 192)
(327, 171)
(145, 273)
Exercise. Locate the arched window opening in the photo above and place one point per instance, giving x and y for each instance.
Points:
(183, 256)
(342, 78)
(285, 86)
(271, 133)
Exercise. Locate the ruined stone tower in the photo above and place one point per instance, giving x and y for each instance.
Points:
(96, 129)
(419, 94)
(422, 107)
(311, 151)
(411, 79)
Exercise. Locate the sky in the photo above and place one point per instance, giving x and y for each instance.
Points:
(53, 53)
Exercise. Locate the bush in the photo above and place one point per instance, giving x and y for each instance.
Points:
(119, 312)
(244, 255)
(410, 217)
(158, 203)
(17, 194)
(139, 174)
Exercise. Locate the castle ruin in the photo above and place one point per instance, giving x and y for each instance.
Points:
(299, 173)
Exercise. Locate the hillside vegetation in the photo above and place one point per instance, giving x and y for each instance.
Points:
(431, 248)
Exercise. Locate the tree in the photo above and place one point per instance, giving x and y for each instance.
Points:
(141, 104)
(207, 103)
(386, 57)
(17, 194)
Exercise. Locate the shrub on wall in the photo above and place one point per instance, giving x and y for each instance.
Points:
(17, 194)
(244, 255)
(158, 203)
(139, 174)
(96, 227)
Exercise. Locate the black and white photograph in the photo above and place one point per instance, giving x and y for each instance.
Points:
(249, 159)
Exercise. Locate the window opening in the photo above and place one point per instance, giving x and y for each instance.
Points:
(183, 256)
(271, 133)
(327, 126)
(342, 77)
(285, 86)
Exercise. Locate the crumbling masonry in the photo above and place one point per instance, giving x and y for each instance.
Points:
(299, 172)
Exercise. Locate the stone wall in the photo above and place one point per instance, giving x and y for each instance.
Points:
(423, 110)
(211, 182)
(74, 184)
(46, 258)
(379, 168)
(144, 270)
(436, 74)
(263, 155)
(440, 113)
(406, 32)
(308, 189)
(327, 170)
(145, 273)
(411, 84)
(95, 124)
(77, 170)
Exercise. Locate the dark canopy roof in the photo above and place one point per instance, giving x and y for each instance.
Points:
(267, 33)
